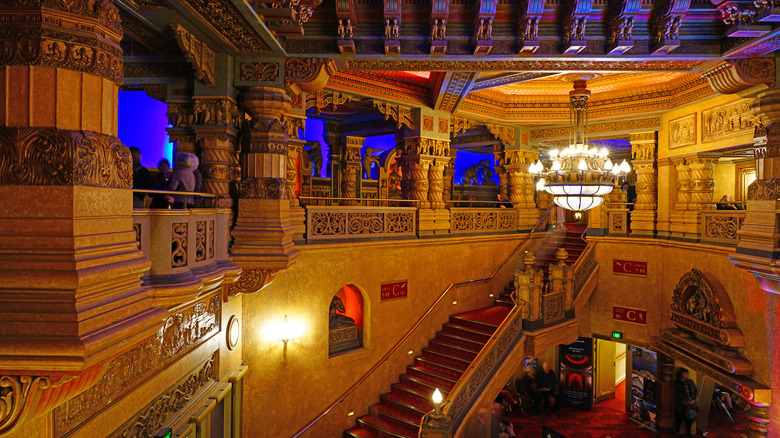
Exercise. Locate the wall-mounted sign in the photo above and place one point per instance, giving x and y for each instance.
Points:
(627, 314)
(395, 289)
(628, 267)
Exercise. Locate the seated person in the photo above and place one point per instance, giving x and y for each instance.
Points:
(526, 387)
(503, 202)
(724, 395)
(725, 203)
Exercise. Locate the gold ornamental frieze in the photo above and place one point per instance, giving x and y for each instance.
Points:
(259, 71)
(57, 157)
(178, 334)
(726, 121)
(682, 131)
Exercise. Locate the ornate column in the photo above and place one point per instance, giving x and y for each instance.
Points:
(350, 169)
(503, 176)
(423, 160)
(436, 183)
(677, 217)
(216, 134)
(71, 293)
(181, 117)
(448, 178)
(263, 232)
(295, 157)
(521, 186)
(643, 150)
(702, 186)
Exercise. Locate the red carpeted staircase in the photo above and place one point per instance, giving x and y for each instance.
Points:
(440, 365)
(569, 238)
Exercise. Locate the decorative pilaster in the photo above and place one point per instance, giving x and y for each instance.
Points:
(643, 151)
(521, 186)
(436, 183)
(414, 179)
(528, 288)
(263, 232)
(350, 169)
(295, 162)
(448, 178)
(422, 162)
(216, 133)
(702, 187)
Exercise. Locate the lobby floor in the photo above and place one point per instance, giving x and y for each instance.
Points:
(608, 418)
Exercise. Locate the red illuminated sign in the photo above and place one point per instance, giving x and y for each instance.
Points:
(396, 289)
(627, 267)
(627, 314)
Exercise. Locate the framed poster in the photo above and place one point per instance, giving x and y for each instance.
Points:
(576, 368)
(643, 387)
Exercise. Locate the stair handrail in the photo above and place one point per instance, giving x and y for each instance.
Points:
(422, 318)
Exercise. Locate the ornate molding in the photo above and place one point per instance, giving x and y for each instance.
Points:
(178, 333)
(252, 280)
(400, 114)
(599, 128)
(727, 120)
(222, 17)
(523, 65)
(92, 53)
(764, 190)
(425, 146)
(197, 53)
(259, 71)
(322, 99)
(733, 76)
(504, 133)
(458, 125)
(174, 399)
(210, 111)
(50, 156)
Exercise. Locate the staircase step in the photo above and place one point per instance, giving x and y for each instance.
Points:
(453, 350)
(431, 376)
(424, 386)
(479, 326)
(397, 417)
(504, 302)
(445, 359)
(385, 428)
(360, 432)
(420, 398)
(412, 406)
(493, 316)
(441, 369)
(453, 339)
(467, 333)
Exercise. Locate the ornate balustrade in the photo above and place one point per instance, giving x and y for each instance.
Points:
(188, 250)
(326, 223)
(584, 267)
(721, 226)
(482, 220)
(618, 221)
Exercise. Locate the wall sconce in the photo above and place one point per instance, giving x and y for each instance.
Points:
(288, 332)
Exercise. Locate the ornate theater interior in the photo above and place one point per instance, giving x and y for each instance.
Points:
(398, 197)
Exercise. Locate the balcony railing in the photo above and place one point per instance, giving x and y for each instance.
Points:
(721, 226)
(188, 249)
(480, 220)
(354, 222)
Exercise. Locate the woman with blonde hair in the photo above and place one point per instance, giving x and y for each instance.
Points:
(182, 180)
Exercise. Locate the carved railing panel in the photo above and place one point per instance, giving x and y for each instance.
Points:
(618, 222)
(200, 241)
(324, 222)
(721, 226)
(584, 267)
(483, 366)
(482, 220)
(553, 308)
(179, 244)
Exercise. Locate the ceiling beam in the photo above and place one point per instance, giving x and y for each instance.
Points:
(507, 78)
(449, 88)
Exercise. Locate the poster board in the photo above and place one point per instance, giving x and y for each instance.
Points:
(576, 374)
(643, 387)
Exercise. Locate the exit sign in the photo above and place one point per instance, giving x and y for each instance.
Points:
(617, 335)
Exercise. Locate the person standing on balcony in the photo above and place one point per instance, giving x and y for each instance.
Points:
(182, 180)
(142, 178)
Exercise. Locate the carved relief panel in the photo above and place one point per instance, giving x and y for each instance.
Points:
(726, 121)
(682, 131)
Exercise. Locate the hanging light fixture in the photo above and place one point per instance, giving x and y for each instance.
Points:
(579, 175)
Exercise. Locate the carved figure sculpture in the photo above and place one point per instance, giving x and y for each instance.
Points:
(335, 320)
(349, 29)
(394, 31)
(531, 28)
(341, 31)
(487, 174)
(315, 155)
(387, 29)
(480, 30)
(368, 158)
(394, 184)
(580, 29)
(442, 29)
(482, 169)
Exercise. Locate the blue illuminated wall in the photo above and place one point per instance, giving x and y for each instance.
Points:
(142, 123)
(465, 159)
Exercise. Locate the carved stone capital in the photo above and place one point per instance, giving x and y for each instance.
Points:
(252, 280)
(425, 146)
(50, 156)
(263, 188)
(199, 55)
(207, 111)
(308, 74)
(266, 102)
(400, 114)
(764, 190)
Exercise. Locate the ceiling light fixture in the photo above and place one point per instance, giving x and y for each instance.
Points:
(579, 175)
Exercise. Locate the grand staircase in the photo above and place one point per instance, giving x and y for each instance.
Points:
(569, 238)
(440, 365)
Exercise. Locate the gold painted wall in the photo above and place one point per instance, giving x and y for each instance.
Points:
(284, 391)
(724, 180)
(667, 262)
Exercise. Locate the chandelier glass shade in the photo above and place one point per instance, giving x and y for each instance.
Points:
(579, 175)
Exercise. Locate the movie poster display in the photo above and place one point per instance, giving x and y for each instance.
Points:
(643, 387)
(576, 377)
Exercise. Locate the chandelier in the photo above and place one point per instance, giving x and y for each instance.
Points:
(579, 175)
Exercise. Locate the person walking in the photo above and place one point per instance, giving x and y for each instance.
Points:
(685, 406)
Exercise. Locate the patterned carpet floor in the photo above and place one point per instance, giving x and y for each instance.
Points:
(609, 419)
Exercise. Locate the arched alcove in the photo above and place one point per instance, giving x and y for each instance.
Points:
(345, 320)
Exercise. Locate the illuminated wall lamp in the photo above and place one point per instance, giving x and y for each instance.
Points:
(288, 332)
(437, 399)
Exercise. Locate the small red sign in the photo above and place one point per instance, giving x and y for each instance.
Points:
(627, 314)
(627, 267)
(396, 289)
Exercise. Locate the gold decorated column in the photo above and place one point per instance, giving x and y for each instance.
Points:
(295, 157)
(702, 186)
(436, 182)
(423, 161)
(263, 232)
(71, 294)
(351, 170)
(677, 217)
(521, 186)
(448, 178)
(643, 151)
(181, 117)
(216, 134)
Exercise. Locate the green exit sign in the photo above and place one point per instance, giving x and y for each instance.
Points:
(617, 335)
